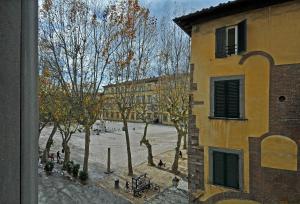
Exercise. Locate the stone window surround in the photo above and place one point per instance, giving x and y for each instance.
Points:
(241, 165)
(242, 96)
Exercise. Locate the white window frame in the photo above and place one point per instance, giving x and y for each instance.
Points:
(236, 39)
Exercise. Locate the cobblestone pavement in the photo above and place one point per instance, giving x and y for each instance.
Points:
(55, 189)
(170, 196)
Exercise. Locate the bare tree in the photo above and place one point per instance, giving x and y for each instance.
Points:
(78, 40)
(173, 57)
(174, 99)
(131, 59)
(144, 109)
(67, 125)
(45, 102)
(46, 97)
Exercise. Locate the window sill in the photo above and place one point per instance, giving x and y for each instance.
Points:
(226, 187)
(231, 55)
(223, 118)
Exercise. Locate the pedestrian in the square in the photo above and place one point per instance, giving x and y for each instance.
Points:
(58, 156)
(127, 185)
(180, 154)
(160, 164)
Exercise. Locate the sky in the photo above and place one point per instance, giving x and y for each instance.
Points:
(177, 8)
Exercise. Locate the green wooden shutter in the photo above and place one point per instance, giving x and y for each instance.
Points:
(220, 99)
(220, 42)
(242, 36)
(218, 168)
(233, 98)
(232, 170)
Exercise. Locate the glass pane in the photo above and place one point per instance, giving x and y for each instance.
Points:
(231, 41)
(232, 170)
(218, 168)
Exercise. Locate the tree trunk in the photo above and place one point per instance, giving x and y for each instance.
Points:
(184, 141)
(130, 171)
(41, 127)
(48, 144)
(150, 156)
(67, 153)
(177, 149)
(87, 148)
(148, 145)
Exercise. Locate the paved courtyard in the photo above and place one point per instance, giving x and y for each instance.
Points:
(162, 138)
(56, 188)
(158, 176)
(170, 196)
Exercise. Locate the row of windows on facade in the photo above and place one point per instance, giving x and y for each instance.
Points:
(133, 116)
(141, 99)
(141, 88)
(148, 107)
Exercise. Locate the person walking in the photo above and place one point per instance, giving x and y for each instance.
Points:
(58, 157)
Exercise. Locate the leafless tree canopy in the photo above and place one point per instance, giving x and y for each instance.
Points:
(85, 45)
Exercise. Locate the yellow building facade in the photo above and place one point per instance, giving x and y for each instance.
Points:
(145, 92)
(244, 130)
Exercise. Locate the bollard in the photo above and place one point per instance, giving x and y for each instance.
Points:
(108, 171)
(117, 184)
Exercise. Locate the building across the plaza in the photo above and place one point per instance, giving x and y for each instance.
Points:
(146, 91)
(244, 131)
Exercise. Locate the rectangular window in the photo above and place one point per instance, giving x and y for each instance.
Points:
(165, 117)
(231, 40)
(149, 99)
(149, 116)
(226, 169)
(227, 97)
(149, 107)
(143, 99)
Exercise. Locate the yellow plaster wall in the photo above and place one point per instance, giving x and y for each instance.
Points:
(279, 152)
(233, 201)
(275, 30)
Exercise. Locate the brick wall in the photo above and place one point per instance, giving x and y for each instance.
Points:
(275, 185)
(195, 152)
